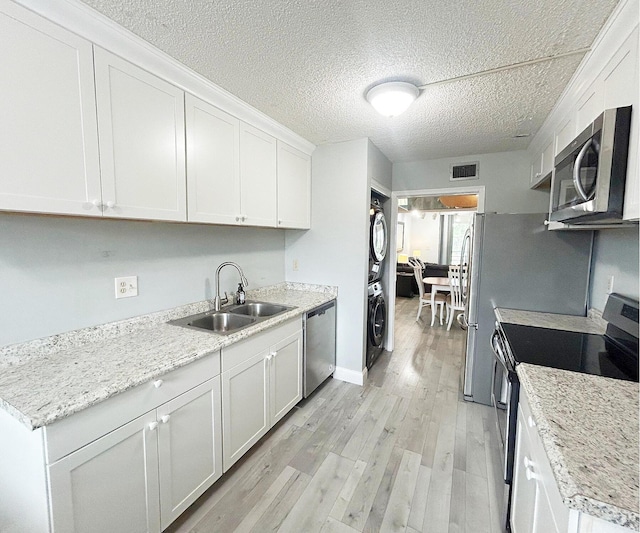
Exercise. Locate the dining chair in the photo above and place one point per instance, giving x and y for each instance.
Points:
(425, 297)
(454, 299)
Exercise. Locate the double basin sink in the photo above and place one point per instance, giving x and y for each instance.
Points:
(231, 319)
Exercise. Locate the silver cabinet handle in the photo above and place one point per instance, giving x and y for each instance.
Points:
(158, 383)
(576, 173)
(165, 418)
(153, 426)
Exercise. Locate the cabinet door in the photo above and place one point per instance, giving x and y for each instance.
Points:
(544, 522)
(257, 177)
(565, 135)
(536, 170)
(245, 407)
(109, 485)
(189, 447)
(48, 138)
(142, 146)
(620, 81)
(285, 361)
(523, 498)
(294, 188)
(589, 106)
(547, 159)
(213, 165)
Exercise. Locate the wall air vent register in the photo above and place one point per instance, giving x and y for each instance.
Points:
(465, 171)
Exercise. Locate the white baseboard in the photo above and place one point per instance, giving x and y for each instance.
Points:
(351, 376)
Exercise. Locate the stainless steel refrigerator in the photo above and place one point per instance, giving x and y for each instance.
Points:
(517, 263)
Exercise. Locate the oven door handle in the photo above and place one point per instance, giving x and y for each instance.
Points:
(497, 350)
(576, 173)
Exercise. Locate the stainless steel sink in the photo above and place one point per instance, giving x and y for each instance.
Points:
(231, 319)
(221, 322)
(259, 309)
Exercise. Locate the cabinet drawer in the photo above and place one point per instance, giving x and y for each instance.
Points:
(542, 468)
(244, 350)
(69, 434)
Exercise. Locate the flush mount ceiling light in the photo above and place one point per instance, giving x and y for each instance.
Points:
(392, 98)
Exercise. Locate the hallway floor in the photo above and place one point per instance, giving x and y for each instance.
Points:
(403, 453)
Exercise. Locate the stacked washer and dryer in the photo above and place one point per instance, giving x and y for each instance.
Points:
(377, 309)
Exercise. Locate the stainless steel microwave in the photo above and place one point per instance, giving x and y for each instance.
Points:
(589, 175)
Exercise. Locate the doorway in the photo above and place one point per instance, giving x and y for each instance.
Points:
(429, 227)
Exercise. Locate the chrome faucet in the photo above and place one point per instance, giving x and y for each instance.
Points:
(218, 301)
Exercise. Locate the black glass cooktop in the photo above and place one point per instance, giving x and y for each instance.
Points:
(569, 350)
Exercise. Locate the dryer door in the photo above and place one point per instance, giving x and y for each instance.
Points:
(377, 321)
(378, 244)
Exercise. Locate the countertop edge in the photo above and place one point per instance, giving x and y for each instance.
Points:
(213, 341)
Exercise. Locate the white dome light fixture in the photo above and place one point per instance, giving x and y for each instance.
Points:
(392, 98)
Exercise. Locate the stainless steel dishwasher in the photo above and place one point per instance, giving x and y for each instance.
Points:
(319, 345)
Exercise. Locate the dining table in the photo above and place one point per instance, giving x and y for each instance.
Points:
(437, 284)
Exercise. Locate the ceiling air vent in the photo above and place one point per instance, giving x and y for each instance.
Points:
(465, 171)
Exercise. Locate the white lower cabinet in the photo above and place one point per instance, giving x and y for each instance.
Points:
(523, 504)
(285, 376)
(110, 484)
(245, 406)
(536, 505)
(137, 460)
(261, 382)
(143, 475)
(189, 448)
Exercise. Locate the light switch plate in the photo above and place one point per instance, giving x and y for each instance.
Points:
(126, 287)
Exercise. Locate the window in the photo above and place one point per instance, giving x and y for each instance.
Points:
(451, 235)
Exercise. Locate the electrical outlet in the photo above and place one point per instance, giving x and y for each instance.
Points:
(610, 285)
(126, 287)
(295, 265)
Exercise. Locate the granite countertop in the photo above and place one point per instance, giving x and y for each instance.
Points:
(48, 379)
(582, 324)
(589, 429)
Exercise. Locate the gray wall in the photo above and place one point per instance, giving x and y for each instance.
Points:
(57, 273)
(615, 254)
(335, 250)
(378, 166)
(504, 175)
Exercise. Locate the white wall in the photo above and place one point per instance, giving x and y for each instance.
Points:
(615, 254)
(57, 273)
(505, 176)
(425, 236)
(335, 250)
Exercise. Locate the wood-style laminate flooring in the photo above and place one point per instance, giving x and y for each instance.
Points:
(403, 453)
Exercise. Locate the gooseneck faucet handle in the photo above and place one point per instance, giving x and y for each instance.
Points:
(218, 301)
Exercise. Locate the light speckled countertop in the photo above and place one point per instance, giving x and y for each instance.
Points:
(591, 324)
(48, 379)
(589, 429)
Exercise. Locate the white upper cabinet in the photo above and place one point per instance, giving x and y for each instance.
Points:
(620, 88)
(48, 138)
(85, 132)
(294, 188)
(213, 164)
(141, 130)
(257, 177)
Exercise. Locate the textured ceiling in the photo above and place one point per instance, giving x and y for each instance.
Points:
(309, 63)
